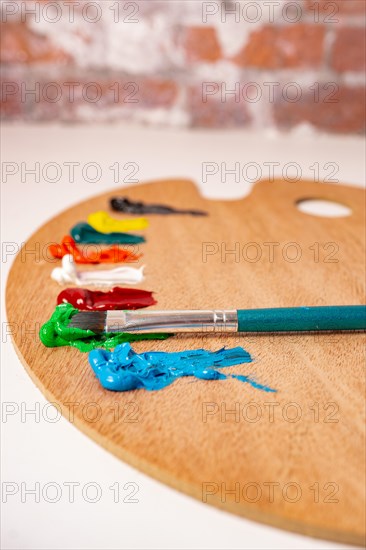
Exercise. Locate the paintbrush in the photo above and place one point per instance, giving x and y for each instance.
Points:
(289, 319)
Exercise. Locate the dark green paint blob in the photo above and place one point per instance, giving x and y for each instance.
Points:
(83, 233)
(56, 333)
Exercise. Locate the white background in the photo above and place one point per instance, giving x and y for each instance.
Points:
(57, 452)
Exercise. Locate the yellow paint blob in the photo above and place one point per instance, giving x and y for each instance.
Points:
(104, 223)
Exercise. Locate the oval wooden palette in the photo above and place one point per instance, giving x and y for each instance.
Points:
(294, 459)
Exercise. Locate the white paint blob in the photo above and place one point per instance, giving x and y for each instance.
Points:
(108, 277)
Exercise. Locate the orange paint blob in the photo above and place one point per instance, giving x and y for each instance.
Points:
(92, 254)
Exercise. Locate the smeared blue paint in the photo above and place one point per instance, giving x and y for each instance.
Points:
(83, 233)
(124, 370)
(253, 383)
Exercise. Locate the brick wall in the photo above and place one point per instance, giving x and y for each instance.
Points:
(257, 64)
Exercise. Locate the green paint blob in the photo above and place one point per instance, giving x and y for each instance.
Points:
(56, 333)
(83, 233)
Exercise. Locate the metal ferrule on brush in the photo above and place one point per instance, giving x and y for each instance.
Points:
(172, 321)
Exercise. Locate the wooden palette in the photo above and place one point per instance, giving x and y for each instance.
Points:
(294, 459)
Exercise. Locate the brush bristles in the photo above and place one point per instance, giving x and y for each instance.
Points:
(90, 320)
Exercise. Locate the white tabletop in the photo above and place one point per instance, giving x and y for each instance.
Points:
(37, 450)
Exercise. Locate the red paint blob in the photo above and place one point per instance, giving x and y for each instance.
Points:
(92, 254)
(96, 300)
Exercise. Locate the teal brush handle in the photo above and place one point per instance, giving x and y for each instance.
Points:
(297, 319)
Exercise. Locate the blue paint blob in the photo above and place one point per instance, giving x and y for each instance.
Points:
(124, 370)
(83, 233)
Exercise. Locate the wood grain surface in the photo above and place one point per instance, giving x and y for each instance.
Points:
(294, 459)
